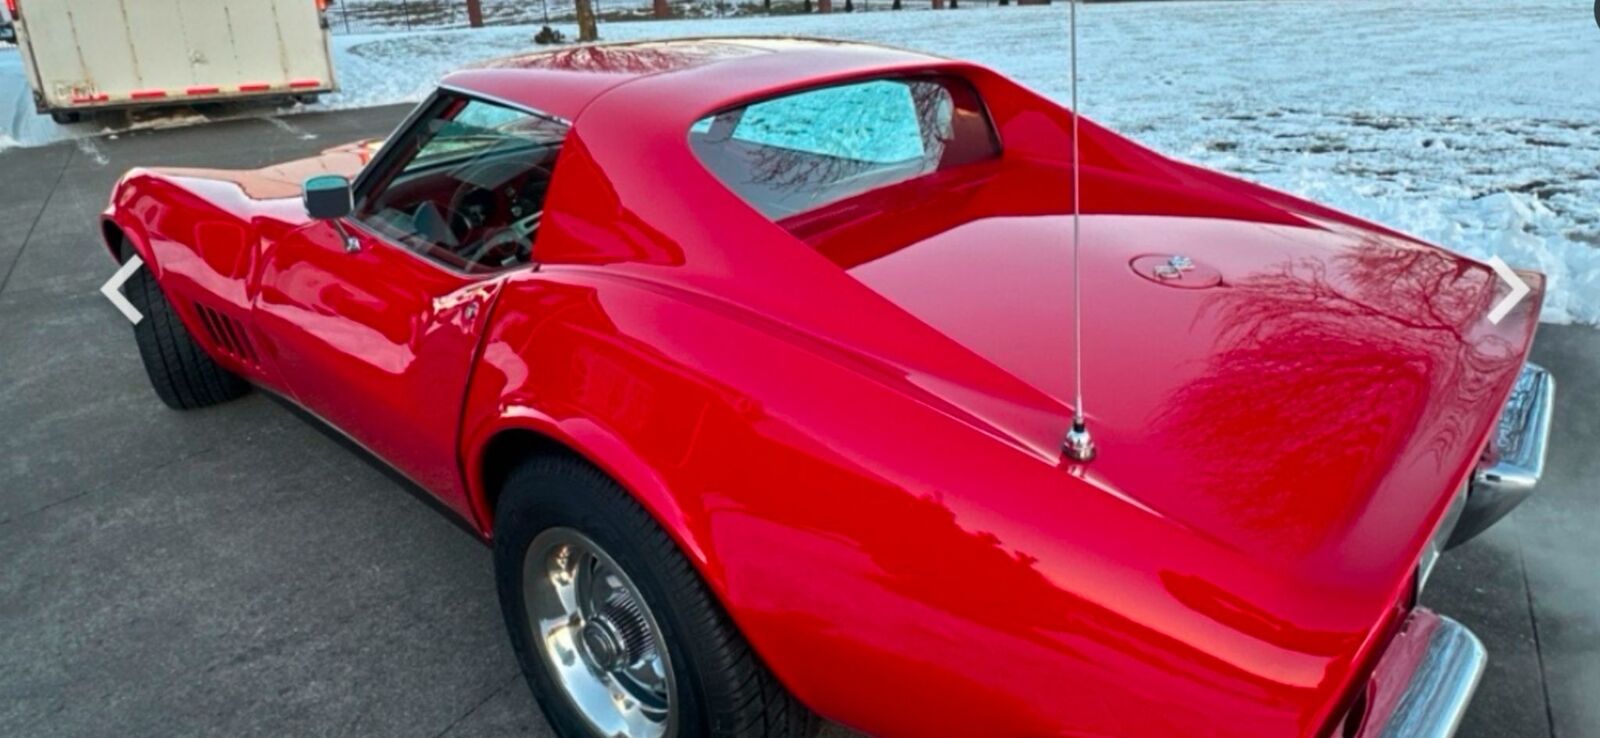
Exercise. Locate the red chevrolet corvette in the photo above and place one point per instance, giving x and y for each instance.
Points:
(751, 358)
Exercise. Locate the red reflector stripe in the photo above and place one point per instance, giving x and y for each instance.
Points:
(81, 99)
(306, 83)
(254, 87)
(147, 94)
(204, 90)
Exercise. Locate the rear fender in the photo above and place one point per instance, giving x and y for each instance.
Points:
(840, 517)
(589, 441)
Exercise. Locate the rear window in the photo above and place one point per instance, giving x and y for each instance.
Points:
(799, 152)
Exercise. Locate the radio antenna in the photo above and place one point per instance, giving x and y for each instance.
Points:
(1078, 445)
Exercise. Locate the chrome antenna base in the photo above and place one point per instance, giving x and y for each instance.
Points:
(1078, 445)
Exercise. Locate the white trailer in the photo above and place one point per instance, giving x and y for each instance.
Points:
(86, 56)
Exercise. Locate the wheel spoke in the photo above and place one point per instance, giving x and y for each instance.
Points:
(591, 585)
(597, 637)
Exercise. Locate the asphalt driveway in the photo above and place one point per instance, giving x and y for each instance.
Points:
(234, 572)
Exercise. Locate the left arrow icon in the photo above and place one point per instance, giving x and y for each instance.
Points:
(112, 289)
(1519, 290)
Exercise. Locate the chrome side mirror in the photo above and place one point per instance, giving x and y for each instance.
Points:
(327, 197)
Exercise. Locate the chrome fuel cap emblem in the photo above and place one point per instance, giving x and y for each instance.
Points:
(1176, 270)
(1176, 265)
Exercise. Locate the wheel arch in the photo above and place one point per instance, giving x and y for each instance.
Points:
(114, 237)
(525, 433)
(121, 227)
(124, 239)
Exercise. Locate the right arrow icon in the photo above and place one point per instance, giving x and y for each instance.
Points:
(1519, 290)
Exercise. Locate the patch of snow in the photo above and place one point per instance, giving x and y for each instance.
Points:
(18, 122)
(1472, 125)
(90, 149)
(369, 16)
(291, 129)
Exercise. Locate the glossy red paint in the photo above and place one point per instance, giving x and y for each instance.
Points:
(850, 421)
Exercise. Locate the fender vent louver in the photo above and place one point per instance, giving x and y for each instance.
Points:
(227, 335)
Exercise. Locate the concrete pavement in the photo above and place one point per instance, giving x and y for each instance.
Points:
(233, 572)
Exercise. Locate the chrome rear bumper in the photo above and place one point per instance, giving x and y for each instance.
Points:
(1515, 457)
(1425, 680)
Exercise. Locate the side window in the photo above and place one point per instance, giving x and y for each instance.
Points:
(801, 151)
(465, 185)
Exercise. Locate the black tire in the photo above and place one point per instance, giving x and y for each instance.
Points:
(181, 372)
(723, 690)
(307, 99)
(66, 117)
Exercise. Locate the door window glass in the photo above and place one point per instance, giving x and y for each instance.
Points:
(465, 185)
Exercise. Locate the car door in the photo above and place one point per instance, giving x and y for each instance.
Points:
(376, 317)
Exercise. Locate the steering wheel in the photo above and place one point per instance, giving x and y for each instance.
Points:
(471, 208)
(478, 200)
(478, 212)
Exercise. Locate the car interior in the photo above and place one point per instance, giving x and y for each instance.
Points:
(468, 184)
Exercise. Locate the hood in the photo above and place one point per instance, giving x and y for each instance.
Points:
(281, 181)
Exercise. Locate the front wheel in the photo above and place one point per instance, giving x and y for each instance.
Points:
(615, 632)
(183, 375)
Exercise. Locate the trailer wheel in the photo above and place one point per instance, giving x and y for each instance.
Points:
(310, 99)
(66, 117)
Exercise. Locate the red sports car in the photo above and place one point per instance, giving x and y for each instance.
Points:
(751, 358)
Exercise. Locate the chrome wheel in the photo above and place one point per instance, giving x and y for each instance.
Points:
(597, 637)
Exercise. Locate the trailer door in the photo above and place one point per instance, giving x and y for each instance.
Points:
(115, 52)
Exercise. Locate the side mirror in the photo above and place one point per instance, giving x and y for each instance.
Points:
(327, 197)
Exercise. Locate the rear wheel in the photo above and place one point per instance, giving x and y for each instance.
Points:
(181, 372)
(66, 117)
(615, 632)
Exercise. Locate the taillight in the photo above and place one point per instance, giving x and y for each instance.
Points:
(322, 5)
(11, 5)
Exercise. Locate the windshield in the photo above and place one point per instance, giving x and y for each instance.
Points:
(480, 126)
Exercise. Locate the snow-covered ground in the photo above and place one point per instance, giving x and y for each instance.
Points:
(367, 16)
(1474, 125)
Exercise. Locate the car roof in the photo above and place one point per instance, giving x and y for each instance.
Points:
(564, 81)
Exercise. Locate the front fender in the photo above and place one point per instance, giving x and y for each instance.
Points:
(121, 223)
